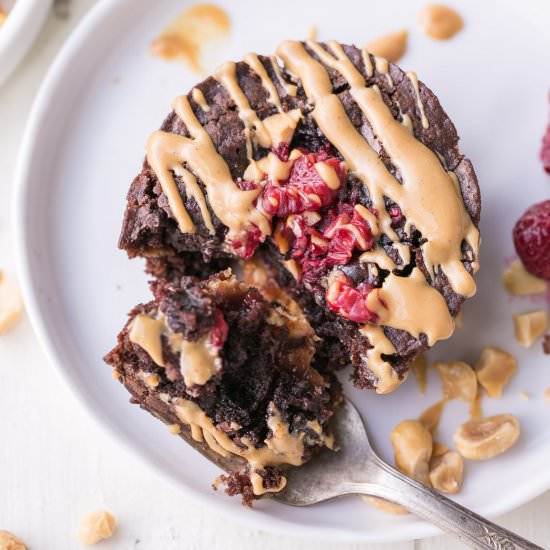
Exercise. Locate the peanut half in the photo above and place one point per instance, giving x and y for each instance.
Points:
(494, 369)
(412, 445)
(96, 526)
(10, 542)
(459, 380)
(446, 472)
(520, 282)
(530, 326)
(484, 438)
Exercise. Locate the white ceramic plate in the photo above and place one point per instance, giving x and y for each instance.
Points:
(85, 142)
(25, 19)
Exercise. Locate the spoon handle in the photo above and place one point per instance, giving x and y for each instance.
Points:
(472, 529)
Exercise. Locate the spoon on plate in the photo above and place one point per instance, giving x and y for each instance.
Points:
(356, 469)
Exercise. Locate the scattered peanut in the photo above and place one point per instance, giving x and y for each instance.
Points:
(11, 303)
(96, 526)
(432, 416)
(459, 380)
(524, 395)
(391, 46)
(419, 367)
(520, 282)
(530, 326)
(386, 506)
(484, 438)
(476, 409)
(446, 472)
(412, 445)
(10, 542)
(439, 449)
(494, 370)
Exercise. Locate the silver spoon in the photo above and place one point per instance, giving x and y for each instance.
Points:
(356, 469)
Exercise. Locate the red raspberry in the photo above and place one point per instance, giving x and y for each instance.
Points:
(349, 302)
(246, 243)
(532, 239)
(218, 334)
(305, 190)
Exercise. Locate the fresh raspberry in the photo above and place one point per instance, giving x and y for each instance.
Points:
(532, 239)
(349, 302)
(305, 190)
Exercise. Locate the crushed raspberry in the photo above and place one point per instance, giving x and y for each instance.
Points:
(282, 151)
(396, 216)
(305, 190)
(316, 250)
(218, 334)
(349, 302)
(532, 239)
(245, 185)
(245, 245)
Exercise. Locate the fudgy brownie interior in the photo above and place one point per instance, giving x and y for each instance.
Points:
(234, 372)
(338, 172)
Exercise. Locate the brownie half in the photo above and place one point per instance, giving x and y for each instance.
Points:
(339, 241)
(232, 374)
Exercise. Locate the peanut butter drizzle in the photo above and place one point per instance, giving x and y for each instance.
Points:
(369, 69)
(199, 361)
(273, 129)
(146, 332)
(383, 67)
(200, 100)
(188, 33)
(226, 75)
(426, 185)
(411, 304)
(256, 65)
(414, 81)
(390, 46)
(440, 22)
(282, 447)
(166, 152)
(387, 378)
(291, 89)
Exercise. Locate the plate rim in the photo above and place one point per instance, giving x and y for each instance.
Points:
(19, 32)
(22, 187)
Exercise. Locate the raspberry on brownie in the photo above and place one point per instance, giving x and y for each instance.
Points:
(337, 171)
(234, 372)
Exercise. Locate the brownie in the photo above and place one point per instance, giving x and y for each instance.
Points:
(314, 227)
(232, 373)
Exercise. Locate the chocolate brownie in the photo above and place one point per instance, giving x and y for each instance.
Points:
(231, 372)
(342, 175)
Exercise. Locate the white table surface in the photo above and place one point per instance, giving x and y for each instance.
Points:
(56, 465)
